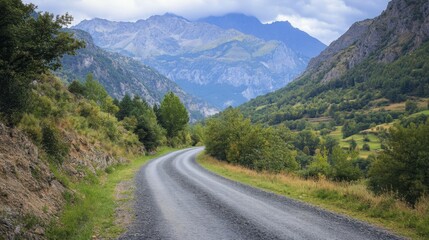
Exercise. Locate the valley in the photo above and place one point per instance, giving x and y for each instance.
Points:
(224, 122)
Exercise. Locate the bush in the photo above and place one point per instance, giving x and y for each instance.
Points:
(365, 147)
(403, 166)
(53, 144)
(31, 125)
(319, 167)
(77, 88)
(232, 138)
(342, 168)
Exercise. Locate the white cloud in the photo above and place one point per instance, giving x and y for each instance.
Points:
(323, 19)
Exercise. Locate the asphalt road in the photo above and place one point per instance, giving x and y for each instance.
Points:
(178, 199)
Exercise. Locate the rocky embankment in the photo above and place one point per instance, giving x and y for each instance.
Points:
(30, 194)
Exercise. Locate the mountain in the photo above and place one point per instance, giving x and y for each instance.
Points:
(294, 38)
(376, 63)
(122, 75)
(224, 67)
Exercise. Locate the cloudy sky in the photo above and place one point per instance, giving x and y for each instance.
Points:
(323, 19)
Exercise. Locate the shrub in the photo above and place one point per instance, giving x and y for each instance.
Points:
(366, 147)
(31, 125)
(342, 168)
(77, 88)
(52, 143)
(403, 166)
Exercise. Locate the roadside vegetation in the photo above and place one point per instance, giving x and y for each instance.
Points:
(85, 136)
(349, 198)
(377, 175)
(92, 212)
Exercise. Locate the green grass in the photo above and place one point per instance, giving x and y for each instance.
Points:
(352, 199)
(374, 143)
(91, 209)
(425, 112)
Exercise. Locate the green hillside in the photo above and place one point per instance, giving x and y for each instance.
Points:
(370, 85)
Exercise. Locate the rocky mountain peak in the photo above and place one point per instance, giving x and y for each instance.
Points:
(400, 29)
(222, 66)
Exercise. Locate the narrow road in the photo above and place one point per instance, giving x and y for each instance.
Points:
(178, 199)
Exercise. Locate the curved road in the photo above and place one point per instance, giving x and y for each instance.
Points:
(178, 199)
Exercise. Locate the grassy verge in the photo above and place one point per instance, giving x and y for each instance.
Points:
(352, 199)
(91, 210)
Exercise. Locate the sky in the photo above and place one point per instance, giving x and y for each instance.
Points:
(324, 19)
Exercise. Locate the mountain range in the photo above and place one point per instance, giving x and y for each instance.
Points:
(122, 75)
(223, 66)
(301, 42)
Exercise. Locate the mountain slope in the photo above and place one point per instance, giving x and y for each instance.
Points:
(121, 75)
(376, 63)
(223, 66)
(294, 38)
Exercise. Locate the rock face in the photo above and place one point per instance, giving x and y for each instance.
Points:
(122, 75)
(294, 38)
(29, 192)
(225, 67)
(30, 195)
(400, 29)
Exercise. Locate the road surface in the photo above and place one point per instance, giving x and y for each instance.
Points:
(178, 199)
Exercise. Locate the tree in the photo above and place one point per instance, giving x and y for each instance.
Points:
(232, 138)
(330, 143)
(125, 107)
(319, 166)
(173, 114)
(403, 166)
(349, 128)
(77, 88)
(29, 46)
(366, 147)
(389, 118)
(138, 116)
(353, 145)
(307, 138)
(411, 107)
(342, 169)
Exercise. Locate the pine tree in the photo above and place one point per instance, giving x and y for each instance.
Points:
(173, 114)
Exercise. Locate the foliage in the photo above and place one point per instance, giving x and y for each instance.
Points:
(30, 45)
(139, 117)
(232, 138)
(31, 126)
(77, 88)
(94, 91)
(173, 115)
(318, 167)
(403, 166)
(197, 134)
(343, 169)
(366, 147)
(411, 107)
(53, 144)
(307, 139)
(352, 199)
(92, 210)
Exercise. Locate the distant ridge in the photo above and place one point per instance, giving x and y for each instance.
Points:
(223, 67)
(122, 75)
(297, 40)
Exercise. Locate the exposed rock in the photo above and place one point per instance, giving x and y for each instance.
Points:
(219, 65)
(122, 75)
(30, 195)
(29, 191)
(400, 29)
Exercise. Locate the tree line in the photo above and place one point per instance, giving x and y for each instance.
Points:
(402, 168)
(32, 45)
